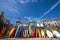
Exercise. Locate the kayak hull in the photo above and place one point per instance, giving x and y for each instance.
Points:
(12, 32)
(38, 33)
(49, 34)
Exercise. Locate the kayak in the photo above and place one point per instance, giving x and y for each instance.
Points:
(21, 32)
(25, 33)
(12, 32)
(45, 33)
(17, 30)
(42, 34)
(49, 34)
(33, 33)
(30, 30)
(55, 34)
(38, 33)
(2, 31)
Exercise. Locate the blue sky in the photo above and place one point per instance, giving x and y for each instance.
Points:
(30, 9)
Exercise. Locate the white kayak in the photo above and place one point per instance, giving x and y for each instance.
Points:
(42, 34)
(56, 33)
(49, 34)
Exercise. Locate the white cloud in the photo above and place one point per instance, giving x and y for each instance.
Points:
(29, 18)
(28, 1)
(12, 2)
(32, 19)
(47, 12)
(23, 1)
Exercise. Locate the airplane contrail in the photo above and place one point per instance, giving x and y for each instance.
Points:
(56, 4)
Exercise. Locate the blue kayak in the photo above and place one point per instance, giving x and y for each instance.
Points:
(17, 30)
(21, 32)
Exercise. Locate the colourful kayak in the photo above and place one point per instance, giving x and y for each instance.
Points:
(12, 32)
(25, 33)
(17, 30)
(33, 33)
(42, 34)
(49, 34)
(38, 33)
(55, 34)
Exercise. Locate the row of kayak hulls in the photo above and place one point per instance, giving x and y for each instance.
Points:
(24, 33)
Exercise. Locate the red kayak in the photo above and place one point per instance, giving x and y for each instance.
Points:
(33, 33)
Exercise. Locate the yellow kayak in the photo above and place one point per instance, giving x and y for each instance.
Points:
(38, 33)
(12, 32)
(56, 34)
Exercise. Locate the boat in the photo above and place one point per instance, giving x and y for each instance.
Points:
(12, 32)
(49, 34)
(42, 33)
(38, 33)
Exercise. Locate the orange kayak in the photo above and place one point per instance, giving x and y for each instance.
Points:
(38, 33)
(45, 33)
(12, 32)
(3, 31)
